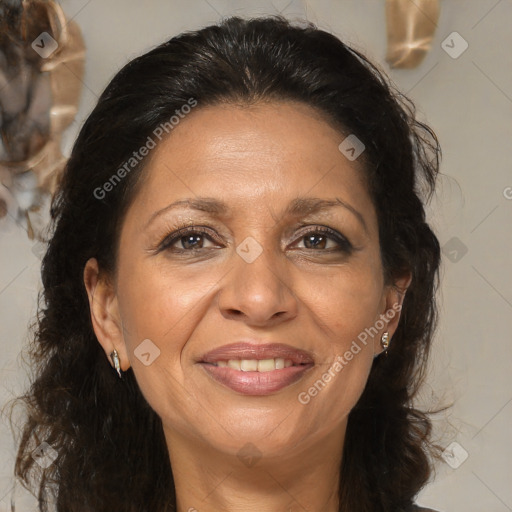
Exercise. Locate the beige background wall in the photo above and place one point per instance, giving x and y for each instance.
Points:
(468, 102)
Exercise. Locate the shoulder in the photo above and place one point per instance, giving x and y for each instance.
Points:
(417, 508)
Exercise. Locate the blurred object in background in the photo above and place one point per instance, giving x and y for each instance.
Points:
(410, 27)
(41, 67)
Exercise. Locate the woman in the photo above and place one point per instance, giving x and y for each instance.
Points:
(239, 287)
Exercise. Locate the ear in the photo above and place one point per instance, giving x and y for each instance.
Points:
(105, 317)
(392, 301)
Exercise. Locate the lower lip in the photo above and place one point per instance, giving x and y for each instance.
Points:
(256, 383)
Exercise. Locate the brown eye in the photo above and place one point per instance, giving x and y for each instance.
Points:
(190, 239)
(318, 239)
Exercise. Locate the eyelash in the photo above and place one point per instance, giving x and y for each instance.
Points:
(182, 231)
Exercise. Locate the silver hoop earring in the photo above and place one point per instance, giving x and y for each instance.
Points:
(384, 341)
(115, 359)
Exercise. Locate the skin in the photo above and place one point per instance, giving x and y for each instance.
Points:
(256, 159)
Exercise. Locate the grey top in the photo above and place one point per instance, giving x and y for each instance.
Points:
(417, 508)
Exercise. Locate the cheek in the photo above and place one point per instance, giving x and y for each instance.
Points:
(158, 301)
(162, 306)
(347, 301)
(344, 314)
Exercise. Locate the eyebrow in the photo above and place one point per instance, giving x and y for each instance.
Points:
(299, 207)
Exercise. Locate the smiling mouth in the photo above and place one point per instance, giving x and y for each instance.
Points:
(256, 376)
(260, 369)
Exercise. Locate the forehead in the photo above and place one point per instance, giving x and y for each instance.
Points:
(249, 155)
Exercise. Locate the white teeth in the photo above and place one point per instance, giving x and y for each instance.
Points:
(249, 365)
(234, 363)
(280, 363)
(255, 365)
(266, 365)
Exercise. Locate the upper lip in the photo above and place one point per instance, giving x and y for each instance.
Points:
(244, 350)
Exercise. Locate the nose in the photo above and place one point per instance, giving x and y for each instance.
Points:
(259, 292)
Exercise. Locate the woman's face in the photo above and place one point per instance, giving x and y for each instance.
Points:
(258, 272)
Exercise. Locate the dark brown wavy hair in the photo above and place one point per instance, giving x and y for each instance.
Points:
(112, 455)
